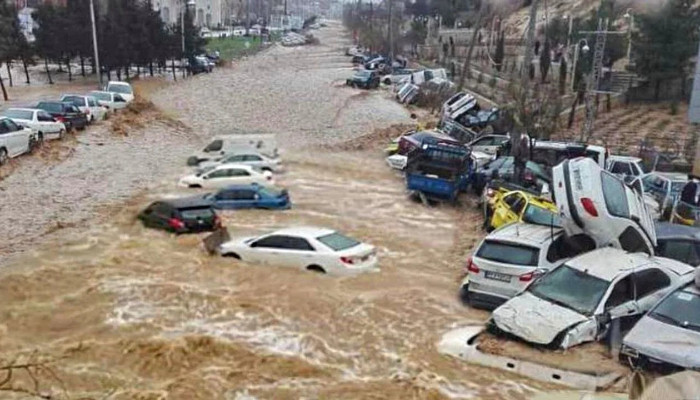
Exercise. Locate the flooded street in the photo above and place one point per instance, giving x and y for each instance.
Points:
(123, 312)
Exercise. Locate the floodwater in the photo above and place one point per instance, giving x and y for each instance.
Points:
(122, 312)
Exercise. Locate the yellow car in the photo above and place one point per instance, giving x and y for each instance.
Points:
(520, 206)
(685, 214)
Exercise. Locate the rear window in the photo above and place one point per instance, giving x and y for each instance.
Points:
(19, 114)
(52, 107)
(338, 242)
(615, 196)
(76, 100)
(197, 212)
(509, 253)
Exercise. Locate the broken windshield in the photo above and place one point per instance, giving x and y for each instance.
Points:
(570, 288)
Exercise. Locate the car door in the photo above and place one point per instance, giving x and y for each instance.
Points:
(226, 199)
(46, 122)
(620, 302)
(649, 285)
(253, 159)
(298, 253)
(17, 137)
(240, 176)
(268, 250)
(5, 138)
(216, 179)
(246, 198)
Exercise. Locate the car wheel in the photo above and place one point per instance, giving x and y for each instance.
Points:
(232, 255)
(316, 268)
(40, 139)
(3, 157)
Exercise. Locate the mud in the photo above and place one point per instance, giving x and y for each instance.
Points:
(131, 313)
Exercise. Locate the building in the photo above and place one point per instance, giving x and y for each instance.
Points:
(20, 4)
(208, 13)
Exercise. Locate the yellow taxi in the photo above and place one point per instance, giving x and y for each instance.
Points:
(518, 206)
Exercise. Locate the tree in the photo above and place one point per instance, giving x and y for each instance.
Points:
(666, 41)
(49, 36)
(12, 40)
(545, 60)
(562, 76)
(500, 51)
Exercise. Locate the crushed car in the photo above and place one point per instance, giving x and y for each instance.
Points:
(665, 188)
(576, 302)
(364, 79)
(667, 338)
(507, 207)
(596, 203)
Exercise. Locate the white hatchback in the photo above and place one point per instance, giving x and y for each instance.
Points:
(113, 101)
(248, 157)
(124, 89)
(219, 176)
(39, 121)
(594, 202)
(15, 140)
(88, 105)
(307, 248)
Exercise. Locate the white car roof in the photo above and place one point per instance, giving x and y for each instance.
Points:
(306, 231)
(118, 83)
(672, 176)
(534, 235)
(22, 109)
(71, 94)
(236, 165)
(607, 263)
(614, 157)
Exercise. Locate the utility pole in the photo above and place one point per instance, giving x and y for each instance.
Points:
(247, 17)
(391, 32)
(94, 44)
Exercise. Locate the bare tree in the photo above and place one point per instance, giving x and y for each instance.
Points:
(23, 373)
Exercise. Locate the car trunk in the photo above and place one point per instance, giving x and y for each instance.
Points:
(198, 219)
(502, 265)
(360, 255)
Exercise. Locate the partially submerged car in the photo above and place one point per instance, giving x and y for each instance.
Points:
(594, 202)
(221, 145)
(249, 196)
(364, 79)
(575, 302)
(665, 188)
(510, 258)
(520, 206)
(667, 338)
(185, 215)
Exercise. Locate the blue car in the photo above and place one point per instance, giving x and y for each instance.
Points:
(249, 196)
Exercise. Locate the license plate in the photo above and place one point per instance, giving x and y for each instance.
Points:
(497, 276)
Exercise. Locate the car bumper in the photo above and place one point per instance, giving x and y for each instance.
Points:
(484, 299)
(370, 266)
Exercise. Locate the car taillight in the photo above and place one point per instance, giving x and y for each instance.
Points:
(589, 206)
(176, 223)
(471, 267)
(346, 260)
(527, 277)
(60, 119)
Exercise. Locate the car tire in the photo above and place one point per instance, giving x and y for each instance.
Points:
(3, 157)
(232, 255)
(316, 268)
(464, 294)
(192, 161)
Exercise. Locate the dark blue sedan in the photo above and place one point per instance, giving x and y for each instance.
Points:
(249, 196)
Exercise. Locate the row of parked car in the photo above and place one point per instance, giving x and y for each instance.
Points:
(240, 170)
(22, 129)
(576, 247)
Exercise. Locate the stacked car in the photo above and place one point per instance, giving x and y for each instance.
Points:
(22, 129)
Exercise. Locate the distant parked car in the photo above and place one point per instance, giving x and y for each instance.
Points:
(308, 248)
(220, 176)
(512, 257)
(415, 140)
(503, 168)
(247, 157)
(249, 196)
(480, 119)
(397, 74)
(596, 203)
(86, 104)
(223, 145)
(626, 166)
(665, 188)
(575, 302)
(667, 338)
(39, 121)
(113, 101)
(187, 215)
(15, 140)
(122, 88)
(551, 153)
(66, 113)
(489, 144)
(364, 79)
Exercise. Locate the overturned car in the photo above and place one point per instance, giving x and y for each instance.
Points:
(576, 302)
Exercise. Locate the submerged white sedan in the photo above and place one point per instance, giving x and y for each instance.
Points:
(308, 248)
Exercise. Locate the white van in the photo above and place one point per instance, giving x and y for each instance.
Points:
(219, 146)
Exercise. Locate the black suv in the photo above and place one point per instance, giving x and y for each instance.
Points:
(65, 112)
(187, 215)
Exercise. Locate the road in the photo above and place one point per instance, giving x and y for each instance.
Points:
(133, 313)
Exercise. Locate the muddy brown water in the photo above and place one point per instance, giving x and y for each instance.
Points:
(129, 313)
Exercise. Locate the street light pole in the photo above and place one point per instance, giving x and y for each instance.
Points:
(629, 15)
(94, 44)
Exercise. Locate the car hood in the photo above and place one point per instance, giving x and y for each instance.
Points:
(665, 342)
(189, 178)
(533, 319)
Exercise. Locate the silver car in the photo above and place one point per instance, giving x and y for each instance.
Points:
(247, 157)
(668, 336)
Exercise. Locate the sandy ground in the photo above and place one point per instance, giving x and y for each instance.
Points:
(121, 312)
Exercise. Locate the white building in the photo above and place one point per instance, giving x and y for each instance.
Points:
(208, 13)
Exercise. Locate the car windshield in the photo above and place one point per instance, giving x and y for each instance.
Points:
(337, 242)
(123, 89)
(270, 192)
(570, 288)
(681, 308)
(197, 212)
(204, 170)
(75, 100)
(102, 96)
(540, 216)
(509, 253)
(19, 114)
